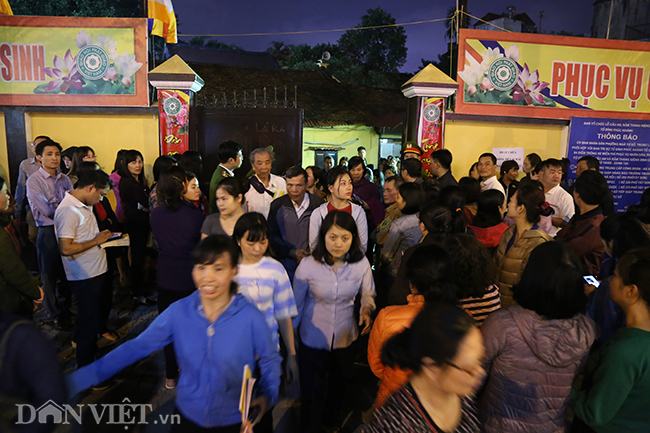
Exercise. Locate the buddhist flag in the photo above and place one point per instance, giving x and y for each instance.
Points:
(162, 21)
(5, 9)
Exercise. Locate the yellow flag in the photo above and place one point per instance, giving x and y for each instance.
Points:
(5, 9)
(161, 12)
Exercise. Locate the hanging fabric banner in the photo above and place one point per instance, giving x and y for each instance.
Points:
(432, 122)
(174, 109)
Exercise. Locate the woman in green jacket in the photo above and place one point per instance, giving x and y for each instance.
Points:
(616, 391)
(17, 287)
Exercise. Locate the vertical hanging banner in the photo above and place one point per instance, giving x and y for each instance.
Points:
(430, 130)
(174, 109)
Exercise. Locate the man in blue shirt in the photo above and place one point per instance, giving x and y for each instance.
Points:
(45, 190)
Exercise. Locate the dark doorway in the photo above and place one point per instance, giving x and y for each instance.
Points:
(251, 128)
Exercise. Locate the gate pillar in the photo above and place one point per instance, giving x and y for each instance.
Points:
(176, 84)
(427, 91)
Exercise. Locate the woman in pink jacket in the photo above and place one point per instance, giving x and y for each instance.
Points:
(534, 348)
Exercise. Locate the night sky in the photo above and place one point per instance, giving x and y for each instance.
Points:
(423, 40)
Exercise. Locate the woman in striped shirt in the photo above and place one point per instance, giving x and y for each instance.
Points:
(474, 274)
(444, 349)
(264, 283)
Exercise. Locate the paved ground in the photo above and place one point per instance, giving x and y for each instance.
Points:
(143, 382)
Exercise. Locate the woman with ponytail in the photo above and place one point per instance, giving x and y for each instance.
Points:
(444, 350)
(454, 198)
(526, 209)
(428, 270)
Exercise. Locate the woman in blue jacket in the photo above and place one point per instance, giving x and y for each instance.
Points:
(215, 332)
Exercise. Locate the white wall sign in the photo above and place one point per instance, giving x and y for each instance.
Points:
(509, 153)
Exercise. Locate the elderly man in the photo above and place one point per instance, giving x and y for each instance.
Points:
(289, 220)
(391, 188)
(265, 186)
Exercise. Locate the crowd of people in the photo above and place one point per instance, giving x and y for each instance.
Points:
(483, 304)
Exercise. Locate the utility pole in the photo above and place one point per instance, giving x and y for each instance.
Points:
(541, 15)
(609, 23)
(464, 19)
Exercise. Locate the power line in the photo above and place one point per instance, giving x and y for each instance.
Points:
(483, 21)
(314, 31)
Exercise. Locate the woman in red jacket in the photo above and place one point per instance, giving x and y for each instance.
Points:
(488, 225)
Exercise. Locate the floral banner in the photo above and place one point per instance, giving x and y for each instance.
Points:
(555, 77)
(174, 106)
(432, 121)
(73, 61)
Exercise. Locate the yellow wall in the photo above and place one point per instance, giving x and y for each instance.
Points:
(4, 159)
(367, 136)
(466, 140)
(105, 133)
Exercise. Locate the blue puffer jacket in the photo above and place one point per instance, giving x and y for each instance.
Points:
(211, 357)
(531, 363)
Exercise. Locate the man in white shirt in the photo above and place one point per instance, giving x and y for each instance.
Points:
(84, 260)
(550, 174)
(487, 169)
(265, 186)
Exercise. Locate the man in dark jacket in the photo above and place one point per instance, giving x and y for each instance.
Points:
(289, 220)
(582, 233)
(441, 167)
(587, 163)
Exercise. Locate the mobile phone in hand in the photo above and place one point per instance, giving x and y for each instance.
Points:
(590, 279)
(115, 235)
